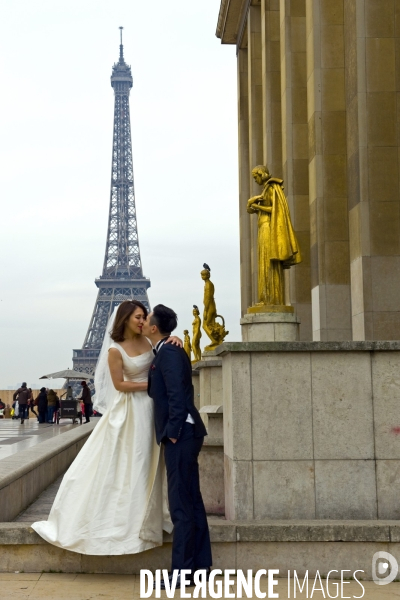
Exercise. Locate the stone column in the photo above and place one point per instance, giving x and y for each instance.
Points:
(271, 86)
(255, 125)
(244, 180)
(295, 146)
(330, 269)
(372, 43)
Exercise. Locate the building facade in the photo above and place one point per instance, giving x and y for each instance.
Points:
(319, 103)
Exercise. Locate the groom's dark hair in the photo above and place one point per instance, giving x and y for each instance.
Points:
(164, 318)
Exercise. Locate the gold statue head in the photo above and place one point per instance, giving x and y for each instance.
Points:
(205, 274)
(261, 174)
(196, 311)
(186, 332)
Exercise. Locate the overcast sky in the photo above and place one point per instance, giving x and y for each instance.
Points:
(56, 115)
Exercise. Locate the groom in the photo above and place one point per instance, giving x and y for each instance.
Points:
(180, 428)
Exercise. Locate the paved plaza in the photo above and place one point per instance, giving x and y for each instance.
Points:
(64, 586)
(15, 437)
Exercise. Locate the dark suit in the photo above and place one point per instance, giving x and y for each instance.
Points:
(170, 386)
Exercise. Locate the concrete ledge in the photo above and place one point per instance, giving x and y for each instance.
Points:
(18, 533)
(263, 531)
(22, 533)
(203, 364)
(305, 347)
(212, 409)
(213, 441)
(284, 545)
(318, 531)
(24, 476)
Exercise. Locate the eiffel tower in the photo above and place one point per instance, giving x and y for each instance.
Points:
(122, 277)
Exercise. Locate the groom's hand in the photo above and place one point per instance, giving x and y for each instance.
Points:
(173, 440)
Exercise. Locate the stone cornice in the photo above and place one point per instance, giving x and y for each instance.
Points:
(230, 19)
(350, 346)
(223, 9)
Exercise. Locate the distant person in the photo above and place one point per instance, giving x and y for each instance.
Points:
(87, 401)
(22, 395)
(52, 400)
(2, 409)
(57, 411)
(41, 403)
(31, 404)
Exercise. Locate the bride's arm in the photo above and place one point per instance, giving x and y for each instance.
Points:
(175, 341)
(117, 374)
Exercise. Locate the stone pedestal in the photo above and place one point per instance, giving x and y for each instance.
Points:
(311, 430)
(209, 369)
(215, 415)
(270, 327)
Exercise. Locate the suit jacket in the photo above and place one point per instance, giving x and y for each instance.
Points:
(170, 386)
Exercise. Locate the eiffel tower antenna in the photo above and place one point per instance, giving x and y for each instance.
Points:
(121, 47)
(122, 276)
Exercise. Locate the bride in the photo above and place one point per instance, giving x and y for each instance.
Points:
(112, 499)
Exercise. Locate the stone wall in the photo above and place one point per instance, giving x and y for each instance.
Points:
(311, 430)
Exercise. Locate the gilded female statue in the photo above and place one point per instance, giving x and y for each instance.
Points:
(215, 331)
(196, 334)
(187, 346)
(278, 248)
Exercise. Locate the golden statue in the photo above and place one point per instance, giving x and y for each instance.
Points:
(278, 248)
(187, 346)
(196, 334)
(215, 331)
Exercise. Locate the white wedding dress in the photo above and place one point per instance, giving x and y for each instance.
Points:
(112, 499)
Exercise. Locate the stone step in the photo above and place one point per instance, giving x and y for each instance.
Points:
(283, 545)
(39, 510)
(25, 475)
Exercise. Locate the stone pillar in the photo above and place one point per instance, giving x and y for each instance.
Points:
(209, 369)
(211, 461)
(330, 270)
(256, 156)
(372, 45)
(238, 454)
(271, 86)
(295, 150)
(244, 180)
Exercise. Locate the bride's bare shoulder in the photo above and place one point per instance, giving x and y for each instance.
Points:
(114, 352)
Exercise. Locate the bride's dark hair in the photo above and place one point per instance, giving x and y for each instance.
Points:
(124, 311)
